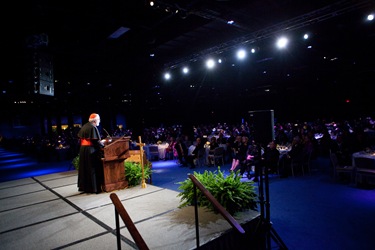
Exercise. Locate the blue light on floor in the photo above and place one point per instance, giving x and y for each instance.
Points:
(20, 165)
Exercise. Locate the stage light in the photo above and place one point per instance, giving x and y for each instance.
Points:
(210, 63)
(370, 17)
(219, 61)
(167, 76)
(253, 50)
(241, 54)
(185, 70)
(306, 36)
(282, 42)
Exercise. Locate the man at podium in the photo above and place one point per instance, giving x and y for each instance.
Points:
(90, 172)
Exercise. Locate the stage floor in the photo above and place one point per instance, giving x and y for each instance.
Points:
(48, 212)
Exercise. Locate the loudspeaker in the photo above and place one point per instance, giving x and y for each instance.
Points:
(262, 122)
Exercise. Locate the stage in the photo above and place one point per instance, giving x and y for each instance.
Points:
(48, 212)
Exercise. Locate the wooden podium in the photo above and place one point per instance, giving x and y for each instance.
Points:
(115, 154)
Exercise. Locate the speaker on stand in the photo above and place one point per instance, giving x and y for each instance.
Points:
(262, 122)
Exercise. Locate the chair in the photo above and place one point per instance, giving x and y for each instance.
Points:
(337, 169)
(152, 152)
(306, 162)
(365, 167)
(201, 157)
(295, 163)
(301, 162)
(217, 155)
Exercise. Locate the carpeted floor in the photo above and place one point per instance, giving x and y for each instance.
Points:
(307, 212)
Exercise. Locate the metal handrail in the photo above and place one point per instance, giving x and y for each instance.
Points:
(120, 210)
(216, 204)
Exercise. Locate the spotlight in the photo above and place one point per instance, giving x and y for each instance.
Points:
(210, 63)
(185, 70)
(241, 54)
(282, 42)
(370, 17)
(167, 76)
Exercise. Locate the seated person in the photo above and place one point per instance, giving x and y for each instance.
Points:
(182, 151)
(235, 151)
(191, 158)
(296, 154)
(241, 155)
(271, 157)
(253, 158)
(170, 151)
(213, 145)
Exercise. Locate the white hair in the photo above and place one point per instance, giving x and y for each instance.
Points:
(94, 117)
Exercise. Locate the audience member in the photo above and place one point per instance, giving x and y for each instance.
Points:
(170, 151)
(242, 152)
(182, 151)
(235, 149)
(193, 157)
(253, 159)
(271, 157)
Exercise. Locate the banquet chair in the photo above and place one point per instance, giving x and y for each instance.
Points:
(201, 157)
(306, 162)
(296, 163)
(217, 155)
(364, 168)
(337, 168)
(153, 152)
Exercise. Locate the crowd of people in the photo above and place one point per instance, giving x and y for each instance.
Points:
(188, 144)
(319, 136)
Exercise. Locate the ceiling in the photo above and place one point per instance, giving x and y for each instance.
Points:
(81, 36)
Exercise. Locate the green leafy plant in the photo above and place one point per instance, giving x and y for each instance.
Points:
(133, 172)
(75, 162)
(230, 192)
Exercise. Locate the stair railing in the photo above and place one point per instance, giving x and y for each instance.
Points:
(235, 225)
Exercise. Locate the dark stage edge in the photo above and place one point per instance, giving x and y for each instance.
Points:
(48, 212)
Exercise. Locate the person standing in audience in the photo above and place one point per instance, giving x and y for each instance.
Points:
(181, 150)
(90, 172)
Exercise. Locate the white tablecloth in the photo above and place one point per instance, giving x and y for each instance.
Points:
(362, 154)
(161, 148)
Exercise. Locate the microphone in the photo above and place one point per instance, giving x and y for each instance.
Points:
(108, 136)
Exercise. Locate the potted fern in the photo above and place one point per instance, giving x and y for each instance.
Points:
(133, 172)
(230, 192)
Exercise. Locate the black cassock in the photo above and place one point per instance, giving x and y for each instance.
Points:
(90, 172)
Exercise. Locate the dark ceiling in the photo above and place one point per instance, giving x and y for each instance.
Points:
(299, 81)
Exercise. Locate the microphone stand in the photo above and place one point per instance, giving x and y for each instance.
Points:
(266, 230)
